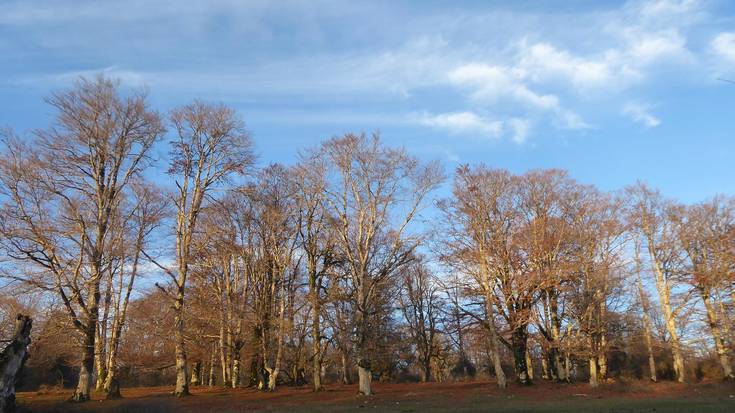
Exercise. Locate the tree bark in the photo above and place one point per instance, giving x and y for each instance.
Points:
(182, 382)
(12, 359)
(316, 348)
(720, 347)
(195, 371)
(518, 342)
(529, 362)
(662, 286)
(365, 376)
(593, 371)
(494, 341)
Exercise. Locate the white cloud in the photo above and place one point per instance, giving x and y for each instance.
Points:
(724, 46)
(657, 9)
(471, 124)
(520, 128)
(493, 83)
(650, 47)
(640, 112)
(543, 61)
(463, 123)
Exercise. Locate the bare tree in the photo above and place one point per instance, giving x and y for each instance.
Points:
(211, 145)
(317, 240)
(61, 193)
(419, 304)
(481, 219)
(145, 213)
(645, 309)
(704, 231)
(650, 214)
(598, 267)
(375, 192)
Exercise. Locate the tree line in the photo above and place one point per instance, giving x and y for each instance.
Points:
(213, 271)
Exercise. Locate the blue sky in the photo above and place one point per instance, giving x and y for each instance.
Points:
(611, 91)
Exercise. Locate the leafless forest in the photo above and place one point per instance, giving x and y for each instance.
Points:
(158, 249)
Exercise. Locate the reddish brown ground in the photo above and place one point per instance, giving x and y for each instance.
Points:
(408, 397)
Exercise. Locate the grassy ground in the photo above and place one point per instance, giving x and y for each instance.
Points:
(405, 398)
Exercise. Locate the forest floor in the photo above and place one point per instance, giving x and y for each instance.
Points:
(455, 397)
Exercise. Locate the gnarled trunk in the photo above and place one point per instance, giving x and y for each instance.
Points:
(12, 359)
(518, 342)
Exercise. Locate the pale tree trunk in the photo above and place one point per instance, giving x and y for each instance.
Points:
(345, 368)
(275, 370)
(544, 367)
(182, 382)
(211, 366)
(364, 373)
(556, 355)
(529, 363)
(649, 345)
(602, 354)
(717, 337)
(593, 371)
(99, 358)
(495, 342)
(224, 365)
(316, 348)
(647, 329)
(12, 359)
(235, 372)
(664, 293)
(101, 341)
(365, 377)
(111, 385)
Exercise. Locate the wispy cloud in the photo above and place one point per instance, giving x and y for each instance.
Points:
(472, 125)
(463, 123)
(549, 69)
(724, 46)
(641, 113)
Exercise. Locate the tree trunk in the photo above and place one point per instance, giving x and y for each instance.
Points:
(86, 368)
(111, 386)
(365, 377)
(646, 323)
(593, 371)
(720, 347)
(426, 371)
(316, 348)
(235, 370)
(195, 370)
(557, 363)
(182, 382)
(211, 366)
(664, 292)
(495, 342)
(12, 359)
(529, 363)
(545, 366)
(345, 369)
(518, 342)
(602, 357)
(224, 365)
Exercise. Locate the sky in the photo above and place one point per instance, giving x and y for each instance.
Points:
(611, 91)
